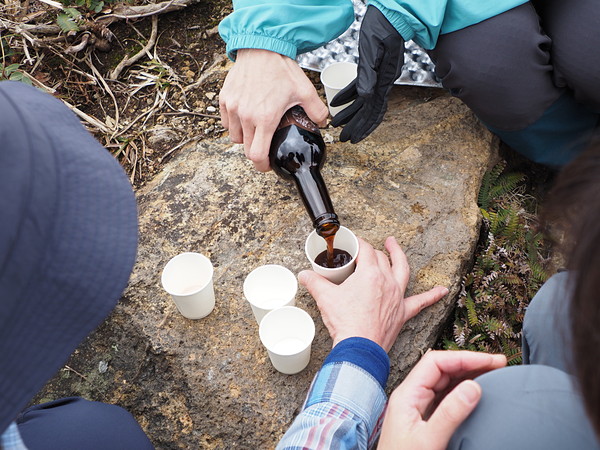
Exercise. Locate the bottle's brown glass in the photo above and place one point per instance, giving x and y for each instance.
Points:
(297, 153)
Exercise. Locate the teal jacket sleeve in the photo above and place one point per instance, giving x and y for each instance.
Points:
(424, 20)
(288, 27)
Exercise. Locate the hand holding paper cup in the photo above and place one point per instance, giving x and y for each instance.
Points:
(268, 287)
(188, 277)
(287, 334)
(344, 240)
(336, 77)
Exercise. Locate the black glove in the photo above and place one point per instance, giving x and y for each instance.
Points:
(381, 57)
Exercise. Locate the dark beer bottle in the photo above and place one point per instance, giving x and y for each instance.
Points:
(297, 153)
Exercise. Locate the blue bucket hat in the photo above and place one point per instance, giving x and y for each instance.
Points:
(68, 239)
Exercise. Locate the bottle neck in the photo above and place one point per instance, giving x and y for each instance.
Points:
(316, 200)
(327, 225)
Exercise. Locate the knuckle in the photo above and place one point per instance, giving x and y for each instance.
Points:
(244, 114)
(430, 355)
(450, 414)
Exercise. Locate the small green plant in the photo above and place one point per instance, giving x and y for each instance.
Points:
(11, 70)
(509, 269)
(89, 5)
(70, 20)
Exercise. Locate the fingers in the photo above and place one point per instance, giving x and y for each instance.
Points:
(316, 110)
(453, 410)
(248, 137)
(235, 129)
(399, 261)
(259, 149)
(223, 112)
(346, 114)
(366, 256)
(314, 283)
(454, 364)
(346, 95)
(383, 262)
(415, 304)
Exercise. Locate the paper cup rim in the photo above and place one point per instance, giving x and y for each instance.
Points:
(278, 311)
(328, 269)
(173, 261)
(285, 270)
(335, 64)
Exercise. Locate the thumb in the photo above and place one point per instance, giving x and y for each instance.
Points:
(453, 410)
(316, 110)
(315, 283)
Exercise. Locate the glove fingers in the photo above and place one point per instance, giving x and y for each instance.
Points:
(345, 134)
(358, 123)
(346, 95)
(344, 116)
(374, 124)
(368, 120)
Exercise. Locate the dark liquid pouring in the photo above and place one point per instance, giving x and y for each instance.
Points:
(339, 258)
(328, 232)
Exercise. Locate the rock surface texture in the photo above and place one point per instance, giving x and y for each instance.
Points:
(209, 383)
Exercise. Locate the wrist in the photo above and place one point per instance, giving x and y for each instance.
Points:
(363, 353)
(253, 53)
(365, 334)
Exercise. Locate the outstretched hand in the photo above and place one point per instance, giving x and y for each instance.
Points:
(434, 399)
(258, 90)
(370, 303)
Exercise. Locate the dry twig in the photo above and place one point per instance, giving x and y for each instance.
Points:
(129, 61)
(75, 372)
(137, 12)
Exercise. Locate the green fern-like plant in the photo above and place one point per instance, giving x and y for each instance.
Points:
(69, 20)
(509, 268)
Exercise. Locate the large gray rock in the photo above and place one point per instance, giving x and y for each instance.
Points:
(209, 383)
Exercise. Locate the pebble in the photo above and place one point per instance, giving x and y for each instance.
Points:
(211, 109)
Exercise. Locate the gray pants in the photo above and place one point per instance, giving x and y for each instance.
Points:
(531, 74)
(535, 405)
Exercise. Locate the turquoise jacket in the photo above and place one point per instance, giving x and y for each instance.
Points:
(291, 27)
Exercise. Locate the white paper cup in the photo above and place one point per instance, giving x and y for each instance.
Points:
(344, 240)
(287, 334)
(335, 77)
(268, 287)
(188, 278)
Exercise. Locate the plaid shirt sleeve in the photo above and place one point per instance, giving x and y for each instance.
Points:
(11, 439)
(344, 407)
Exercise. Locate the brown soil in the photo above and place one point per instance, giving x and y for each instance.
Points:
(189, 51)
(187, 48)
